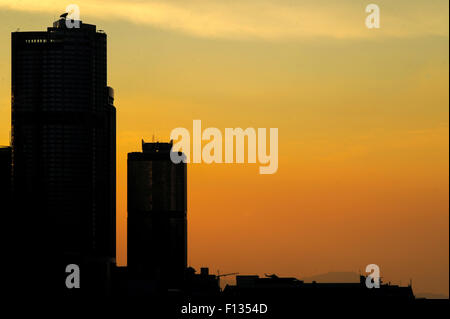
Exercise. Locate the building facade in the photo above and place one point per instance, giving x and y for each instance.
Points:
(63, 146)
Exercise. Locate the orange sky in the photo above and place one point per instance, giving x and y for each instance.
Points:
(362, 116)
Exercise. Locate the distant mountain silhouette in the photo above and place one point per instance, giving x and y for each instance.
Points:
(430, 295)
(333, 277)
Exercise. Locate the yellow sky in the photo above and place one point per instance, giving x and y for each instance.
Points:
(362, 117)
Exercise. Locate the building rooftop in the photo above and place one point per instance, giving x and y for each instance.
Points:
(156, 147)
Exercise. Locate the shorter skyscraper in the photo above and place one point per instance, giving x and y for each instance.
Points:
(157, 216)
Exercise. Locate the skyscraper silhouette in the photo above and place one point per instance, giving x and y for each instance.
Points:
(63, 141)
(157, 208)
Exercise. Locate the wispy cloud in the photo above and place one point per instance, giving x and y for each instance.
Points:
(264, 19)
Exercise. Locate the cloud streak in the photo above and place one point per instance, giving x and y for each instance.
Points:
(262, 19)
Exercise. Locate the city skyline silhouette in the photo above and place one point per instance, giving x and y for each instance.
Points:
(221, 171)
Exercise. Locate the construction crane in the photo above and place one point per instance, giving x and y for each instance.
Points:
(224, 275)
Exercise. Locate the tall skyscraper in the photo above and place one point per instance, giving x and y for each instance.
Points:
(157, 211)
(63, 144)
